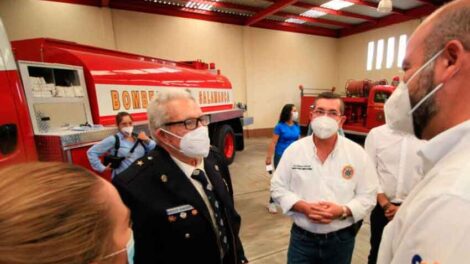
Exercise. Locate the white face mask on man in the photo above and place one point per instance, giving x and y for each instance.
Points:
(195, 144)
(324, 127)
(398, 111)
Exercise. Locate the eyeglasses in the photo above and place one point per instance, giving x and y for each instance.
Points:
(191, 123)
(321, 112)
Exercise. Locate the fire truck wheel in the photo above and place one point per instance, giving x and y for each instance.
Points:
(225, 141)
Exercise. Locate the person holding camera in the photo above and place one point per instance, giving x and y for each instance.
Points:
(124, 147)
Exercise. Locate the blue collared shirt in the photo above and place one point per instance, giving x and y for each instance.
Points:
(107, 146)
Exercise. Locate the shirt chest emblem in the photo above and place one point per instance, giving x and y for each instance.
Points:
(347, 172)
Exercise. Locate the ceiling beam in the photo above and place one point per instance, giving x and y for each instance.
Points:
(316, 20)
(331, 11)
(256, 9)
(373, 5)
(362, 3)
(343, 13)
(96, 3)
(297, 28)
(269, 11)
(282, 14)
(417, 12)
(429, 2)
(178, 11)
(287, 26)
(233, 6)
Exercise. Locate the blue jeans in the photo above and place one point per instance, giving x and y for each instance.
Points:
(307, 249)
(277, 158)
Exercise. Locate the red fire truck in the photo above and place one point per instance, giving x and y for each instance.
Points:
(58, 98)
(363, 102)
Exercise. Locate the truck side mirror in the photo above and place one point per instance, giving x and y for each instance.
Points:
(242, 106)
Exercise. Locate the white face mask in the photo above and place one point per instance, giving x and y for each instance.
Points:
(324, 127)
(398, 111)
(129, 249)
(127, 130)
(295, 116)
(195, 144)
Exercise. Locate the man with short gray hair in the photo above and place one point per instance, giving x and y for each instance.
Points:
(180, 195)
(432, 224)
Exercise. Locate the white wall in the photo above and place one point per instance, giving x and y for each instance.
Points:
(352, 53)
(33, 19)
(277, 62)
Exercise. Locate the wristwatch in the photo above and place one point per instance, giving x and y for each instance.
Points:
(345, 213)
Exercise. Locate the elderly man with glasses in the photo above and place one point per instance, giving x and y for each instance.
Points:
(327, 184)
(180, 195)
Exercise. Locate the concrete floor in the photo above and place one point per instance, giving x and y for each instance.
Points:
(265, 236)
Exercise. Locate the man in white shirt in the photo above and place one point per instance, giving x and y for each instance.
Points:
(433, 224)
(394, 154)
(327, 184)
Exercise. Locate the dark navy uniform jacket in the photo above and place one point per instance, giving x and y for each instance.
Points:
(170, 221)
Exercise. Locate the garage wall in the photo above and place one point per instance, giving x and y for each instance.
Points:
(352, 53)
(277, 62)
(32, 19)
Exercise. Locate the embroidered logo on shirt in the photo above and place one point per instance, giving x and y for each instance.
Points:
(348, 172)
(301, 167)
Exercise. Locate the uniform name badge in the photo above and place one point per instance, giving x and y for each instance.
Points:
(179, 209)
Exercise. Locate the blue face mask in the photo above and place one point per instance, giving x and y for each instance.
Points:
(129, 249)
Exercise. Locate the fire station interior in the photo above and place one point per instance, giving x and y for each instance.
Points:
(271, 52)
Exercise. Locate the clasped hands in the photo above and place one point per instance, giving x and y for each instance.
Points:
(322, 212)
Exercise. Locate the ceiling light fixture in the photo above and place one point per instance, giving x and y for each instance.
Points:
(385, 6)
(294, 20)
(207, 6)
(336, 4)
(313, 13)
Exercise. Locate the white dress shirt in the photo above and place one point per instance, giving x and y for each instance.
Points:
(395, 156)
(433, 224)
(347, 177)
(188, 171)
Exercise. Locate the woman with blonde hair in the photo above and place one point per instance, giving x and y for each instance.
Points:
(61, 213)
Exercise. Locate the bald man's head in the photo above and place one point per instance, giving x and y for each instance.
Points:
(450, 22)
